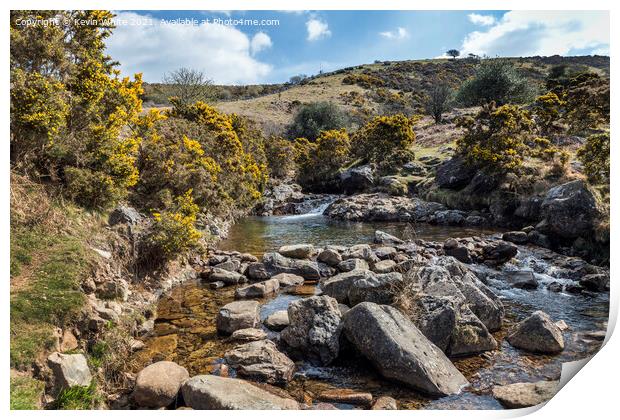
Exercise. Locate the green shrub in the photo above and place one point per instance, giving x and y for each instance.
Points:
(231, 142)
(595, 156)
(92, 189)
(495, 139)
(39, 109)
(171, 163)
(315, 117)
(498, 81)
(542, 148)
(386, 141)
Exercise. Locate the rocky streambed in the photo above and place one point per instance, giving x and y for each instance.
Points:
(378, 322)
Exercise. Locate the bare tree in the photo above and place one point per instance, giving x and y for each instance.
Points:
(189, 85)
(438, 100)
(453, 53)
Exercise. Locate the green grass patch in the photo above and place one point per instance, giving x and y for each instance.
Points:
(97, 354)
(27, 341)
(77, 398)
(53, 293)
(26, 393)
(24, 244)
(431, 151)
(50, 294)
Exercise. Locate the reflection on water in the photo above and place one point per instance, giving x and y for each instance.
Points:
(258, 235)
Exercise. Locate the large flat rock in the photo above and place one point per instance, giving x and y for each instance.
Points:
(522, 395)
(209, 392)
(261, 361)
(238, 315)
(275, 263)
(400, 351)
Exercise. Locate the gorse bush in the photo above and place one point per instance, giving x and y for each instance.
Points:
(498, 81)
(587, 102)
(174, 229)
(495, 138)
(499, 139)
(595, 156)
(577, 104)
(280, 153)
(77, 123)
(321, 160)
(386, 141)
(315, 117)
(364, 80)
(171, 163)
(70, 110)
(221, 157)
(39, 108)
(548, 110)
(542, 148)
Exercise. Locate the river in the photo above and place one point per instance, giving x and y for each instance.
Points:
(185, 327)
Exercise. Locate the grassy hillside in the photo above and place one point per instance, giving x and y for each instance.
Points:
(407, 79)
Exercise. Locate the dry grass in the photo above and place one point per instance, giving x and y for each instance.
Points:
(31, 204)
(405, 292)
(111, 354)
(278, 109)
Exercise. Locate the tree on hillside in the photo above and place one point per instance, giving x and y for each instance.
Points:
(315, 117)
(189, 86)
(295, 80)
(496, 80)
(437, 100)
(453, 53)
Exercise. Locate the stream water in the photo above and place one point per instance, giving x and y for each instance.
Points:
(185, 325)
(257, 235)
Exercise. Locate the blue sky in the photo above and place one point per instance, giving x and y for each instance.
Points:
(153, 43)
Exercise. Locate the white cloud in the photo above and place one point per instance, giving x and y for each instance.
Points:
(224, 53)
(525, 33)
(399, 33)
(484, 20)
(317, 29)
(260, 41)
